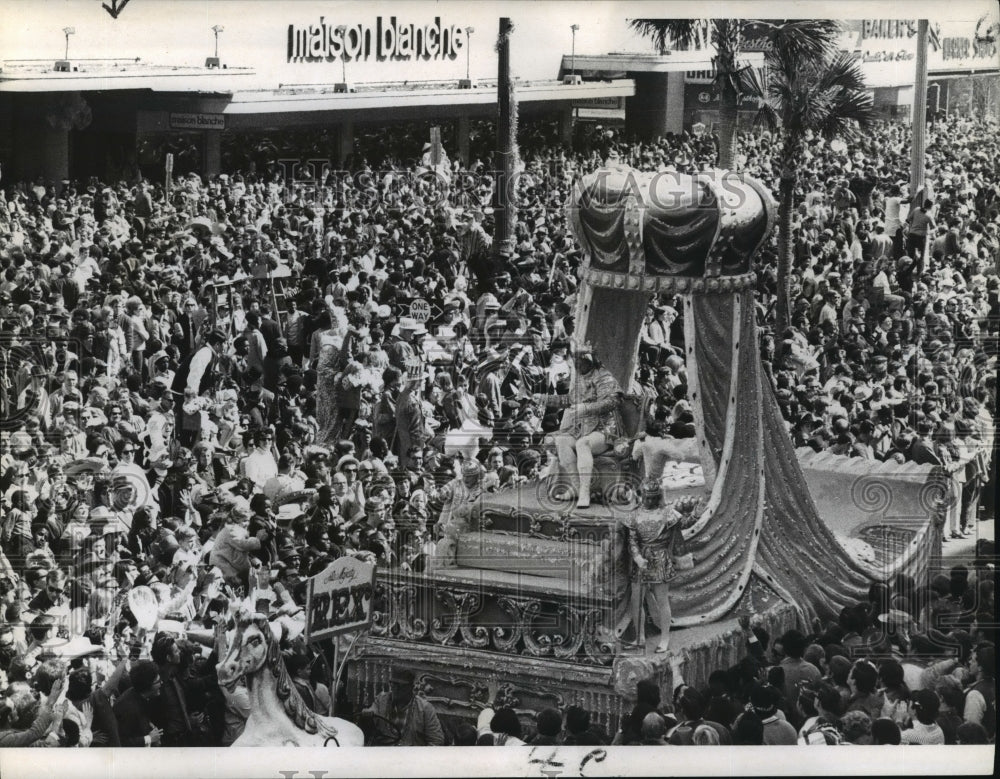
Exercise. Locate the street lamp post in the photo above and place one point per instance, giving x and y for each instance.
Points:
(343, 86)
(572, 78)
(572, 56)
(213, 62)
(217, 29)
(468, 47)
(466, 83)
(67, 31)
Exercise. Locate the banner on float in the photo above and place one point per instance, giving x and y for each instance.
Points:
(339, 599)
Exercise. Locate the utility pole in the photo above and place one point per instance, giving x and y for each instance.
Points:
(505, 213)
(919, 144)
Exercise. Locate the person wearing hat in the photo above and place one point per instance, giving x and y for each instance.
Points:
(462, 497)
(777, 730)
(411, 716)
(411, 432)
(401, 350)
(591, 421)
(233, 545)
(655, 334)
(199, 373)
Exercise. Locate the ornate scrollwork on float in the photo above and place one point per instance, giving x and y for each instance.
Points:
(397, 616)
(381, 608)
(411, 626)
(577, 620)
(418, 609)
(475, 636)
(445, 626)
(506, 639)
(536, 642)
(430, 686)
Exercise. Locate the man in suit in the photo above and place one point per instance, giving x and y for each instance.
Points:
(269, 328)
(262, 405)
(187, 329)
(385, 411)
(137, 711)
(921, 449)
(411, 428)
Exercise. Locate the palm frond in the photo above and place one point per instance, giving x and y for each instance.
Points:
(767, 115)
(807, 38)
(752, 81)
(849, 112)
(798, 41)
(663, 32)
(842, 71)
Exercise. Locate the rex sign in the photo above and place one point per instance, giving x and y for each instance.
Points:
(339, 599)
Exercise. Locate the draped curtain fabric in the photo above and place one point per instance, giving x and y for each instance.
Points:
(679, 225)
(678, 235)
(737, 244)
(600, 219)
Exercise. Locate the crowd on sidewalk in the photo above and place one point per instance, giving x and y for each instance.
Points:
(233, 386)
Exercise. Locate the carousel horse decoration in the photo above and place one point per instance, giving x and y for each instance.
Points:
(278, 715)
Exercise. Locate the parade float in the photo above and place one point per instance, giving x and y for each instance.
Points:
(532, 588)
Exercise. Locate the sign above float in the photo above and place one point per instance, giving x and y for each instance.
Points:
(339, 599)
(386, 39)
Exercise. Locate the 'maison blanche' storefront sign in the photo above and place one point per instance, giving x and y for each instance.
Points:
(387, 39)
(197, 121)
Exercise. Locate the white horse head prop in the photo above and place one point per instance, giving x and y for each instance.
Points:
(278, 715)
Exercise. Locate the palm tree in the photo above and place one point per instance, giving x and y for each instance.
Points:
(808, 86)
(726, 36)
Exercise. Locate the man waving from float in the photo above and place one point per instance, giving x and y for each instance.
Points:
(591, 422)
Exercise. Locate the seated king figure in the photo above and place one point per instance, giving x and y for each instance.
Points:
(591, 422)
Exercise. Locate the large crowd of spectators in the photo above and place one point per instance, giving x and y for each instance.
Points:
(226, 386)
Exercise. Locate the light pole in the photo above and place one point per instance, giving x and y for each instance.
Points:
(67, 31)
(341, 31)
(919, 118)
(217, 29)
(572, 56)
(343, 56)
(468, 45)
